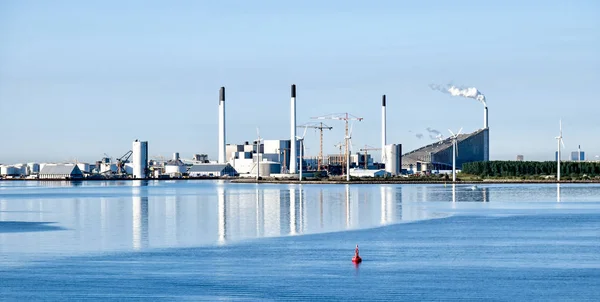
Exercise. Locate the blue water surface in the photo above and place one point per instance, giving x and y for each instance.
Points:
(200, 240)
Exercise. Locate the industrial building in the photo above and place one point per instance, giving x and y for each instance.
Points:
(438, 156)
(60, 171)
(211, 170)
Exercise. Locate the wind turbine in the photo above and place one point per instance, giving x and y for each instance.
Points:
(301, 151)
(559, 141)
(454, 138)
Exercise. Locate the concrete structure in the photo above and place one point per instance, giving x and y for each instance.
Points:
(60, 171)
(222, 157)
(140, 159)
(393, 155)
(438, 155)
(520, 157)
(293, 155)
(211, 170)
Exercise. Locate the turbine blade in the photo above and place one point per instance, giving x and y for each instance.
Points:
(451, 132)
(562, 142)
(459, 131)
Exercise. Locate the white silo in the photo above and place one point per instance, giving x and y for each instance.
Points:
(393, 154)
(140, 159)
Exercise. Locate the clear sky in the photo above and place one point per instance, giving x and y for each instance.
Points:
(82, 78)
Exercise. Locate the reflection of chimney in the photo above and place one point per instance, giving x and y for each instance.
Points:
(292, 211)
(140, 222)
(383, 129)
(222, 125)
(293, 159)
(222, 215)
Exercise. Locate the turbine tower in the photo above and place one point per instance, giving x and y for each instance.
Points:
(454, 152)
(559, 141)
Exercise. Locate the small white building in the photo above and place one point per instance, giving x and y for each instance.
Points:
(368, 173)
(60, 171)
(211, 170)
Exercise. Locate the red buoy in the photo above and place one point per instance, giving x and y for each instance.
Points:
(356, 258)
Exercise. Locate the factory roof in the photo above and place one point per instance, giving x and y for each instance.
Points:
(208, 167)
(174, 162)
(60, 169)
(423, 154)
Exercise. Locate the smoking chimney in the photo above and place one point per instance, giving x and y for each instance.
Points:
(485, 117)
(293, 159)
(383, 128)
(222, 125)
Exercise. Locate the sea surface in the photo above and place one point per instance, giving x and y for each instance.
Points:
(214, 240)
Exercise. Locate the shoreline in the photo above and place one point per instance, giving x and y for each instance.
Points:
(326, 182)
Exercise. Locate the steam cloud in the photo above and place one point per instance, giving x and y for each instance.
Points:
(419, 135)
(470, 92)
(433, 134)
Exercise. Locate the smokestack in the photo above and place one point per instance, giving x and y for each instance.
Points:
(383, 129)
(485, 117)
(293, 159)
(222, 125)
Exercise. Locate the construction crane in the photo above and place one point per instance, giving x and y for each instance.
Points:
(319, 126)
(366, 149)
(343, 117)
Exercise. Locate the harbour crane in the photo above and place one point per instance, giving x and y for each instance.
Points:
(319, 126)
(366, 149)
(343, 117)
(122, 160)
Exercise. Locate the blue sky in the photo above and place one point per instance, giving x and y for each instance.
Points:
(80, 79)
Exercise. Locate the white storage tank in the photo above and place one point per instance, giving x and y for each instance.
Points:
(393, 159)
(174, 168)
(268, 167)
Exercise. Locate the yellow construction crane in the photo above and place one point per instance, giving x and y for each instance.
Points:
(366, 149)
(319, 126)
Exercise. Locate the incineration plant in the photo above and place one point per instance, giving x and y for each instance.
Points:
(279, 158)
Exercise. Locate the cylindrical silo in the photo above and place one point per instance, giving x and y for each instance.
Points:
(140, 159)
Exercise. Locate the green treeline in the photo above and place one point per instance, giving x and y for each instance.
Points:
(530, 168)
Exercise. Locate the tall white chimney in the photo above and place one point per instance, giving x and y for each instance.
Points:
(485, 117)
(383, 129)
(293, 159)
(222, 125)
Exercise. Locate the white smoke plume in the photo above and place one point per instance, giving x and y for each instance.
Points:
(433, 134)
(419, 135)
(470, 92)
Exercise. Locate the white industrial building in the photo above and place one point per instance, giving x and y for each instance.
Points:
(368, 173)
(60, 171)
(211, 170)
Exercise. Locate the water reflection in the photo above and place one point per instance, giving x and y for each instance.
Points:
(139, 215)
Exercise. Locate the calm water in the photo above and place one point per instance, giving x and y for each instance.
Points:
(203, 240)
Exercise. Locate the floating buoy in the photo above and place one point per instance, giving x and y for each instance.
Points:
(356, 258)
